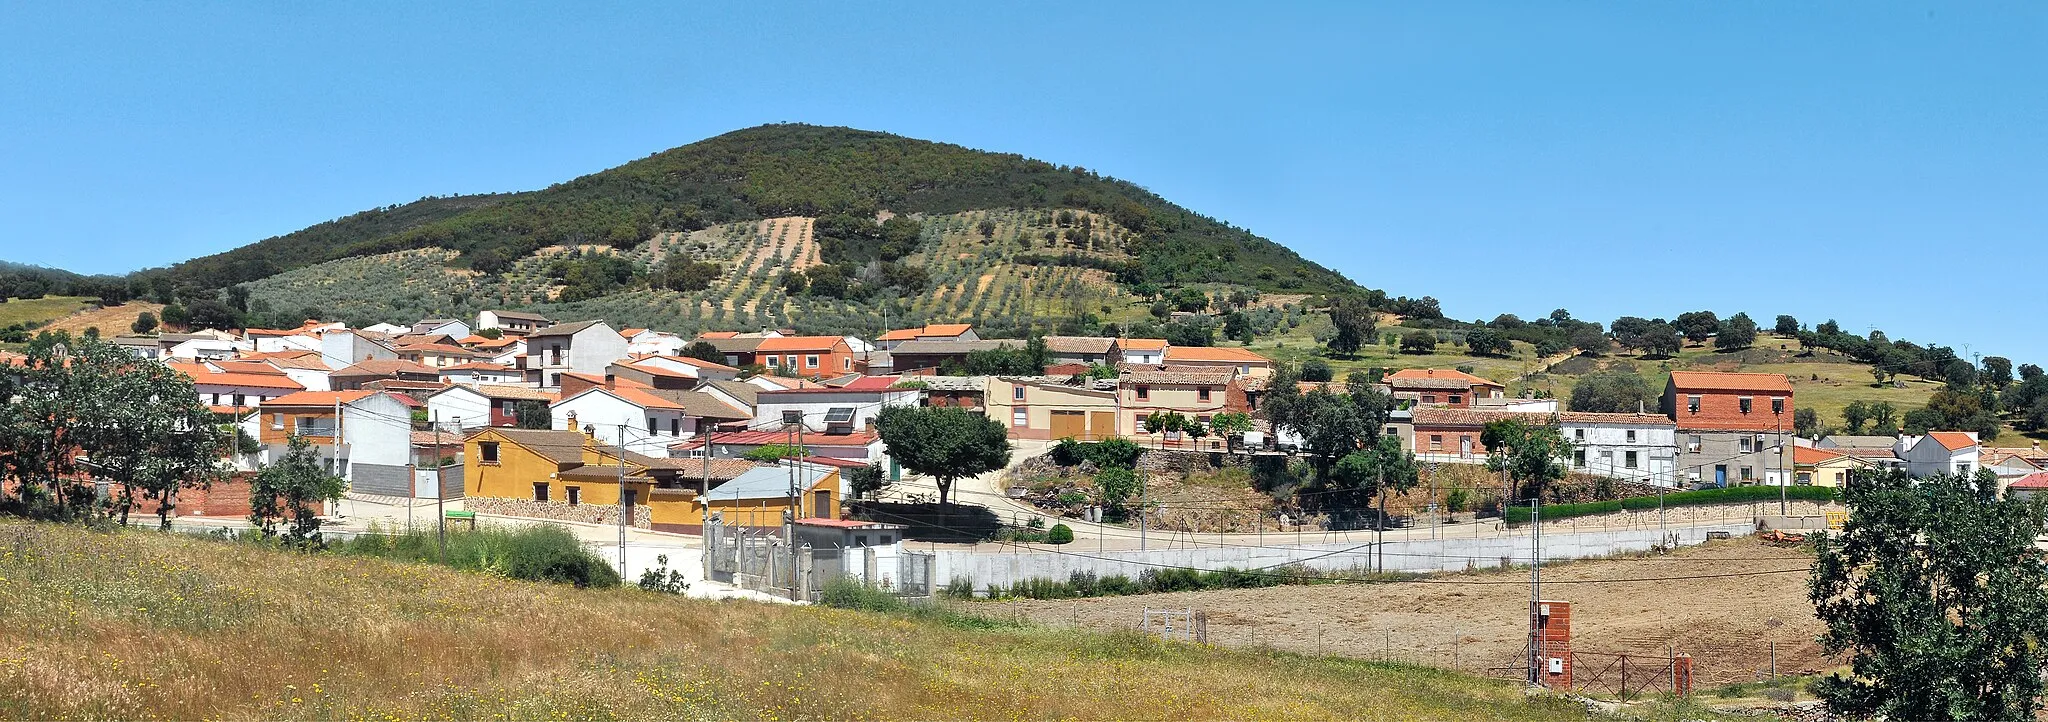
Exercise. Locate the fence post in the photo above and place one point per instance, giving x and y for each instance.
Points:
(1681, 675)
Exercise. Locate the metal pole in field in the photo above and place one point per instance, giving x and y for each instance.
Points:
(1784, 472)
(440, 510)
(622, 503)
(1535, 585)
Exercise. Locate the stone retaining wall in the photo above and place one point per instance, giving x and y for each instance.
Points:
(607, 514)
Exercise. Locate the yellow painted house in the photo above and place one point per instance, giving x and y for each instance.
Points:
(1823, 467)
(1041, 408)
(569, 476)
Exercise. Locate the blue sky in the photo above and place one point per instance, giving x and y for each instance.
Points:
(1879, 163)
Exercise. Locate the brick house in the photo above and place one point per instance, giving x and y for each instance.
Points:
(1442, 387)
(1734, 429)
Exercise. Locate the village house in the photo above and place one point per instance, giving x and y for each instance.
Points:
(1442, 387)
(1050, 408)
(671, 372)
(511, 323)
(1813, 466)
(1087, 350)
(436, 355)
(830, 410)
(441, 326)
(1638, 447)
(344, 347)
(1939, 452)
(363, 436)
(930, 332)
(1198, 394)
(362, 374)
(481, 372)
(649, 342)
(649, 419)
(465, 406)
(1142, 351)
(585, 347)
(234, 388)
(933, 356)
(761, 497)
(806, 356)
(202, 347)
(304, 367)
(571, 476)
(2027, 487)
(1243, 361)
(1733, 427)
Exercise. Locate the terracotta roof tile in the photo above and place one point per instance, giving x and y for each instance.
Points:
(1727, 381)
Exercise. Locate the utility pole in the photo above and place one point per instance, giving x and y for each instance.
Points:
(1379, 527)
(1784, 472)
(623, 509)
(1535, 583)
(440, 509)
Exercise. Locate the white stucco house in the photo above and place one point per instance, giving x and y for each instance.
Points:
(1939, 452)
(584, 347)
(343, 348)
(1634, 447)
(650, 419)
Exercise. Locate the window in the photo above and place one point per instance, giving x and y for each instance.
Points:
(839, 415)
(1138, 422)
(1144, 393)
(1747, 475)
(239, 401)
(1746, 445)
(650, 425)
(1436, 442)
(792, 416)
(1429, 398)
(1020, 417)
(1578, 434)
(1962, 468)
(860, 540)
(1777, 405)
(1839, 478)
(575, 494)
(1631, 436)
(277, 422)
(487, 452)
(811, 361)
(886, 539)
(1628, 459)
(1744, 404)
(770, 359)
(1692, 404)
(1578, 457)
(540, 491)
(1017, 393)
(1805, 478)
(1203, 420)
(1457, 399)
(789, 360)
(675, 426)
(846, 363)
(1202, 394)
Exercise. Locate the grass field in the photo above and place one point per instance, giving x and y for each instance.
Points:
(136, 625)
(44, 310)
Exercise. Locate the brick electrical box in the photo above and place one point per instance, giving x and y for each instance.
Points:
(1550, 632)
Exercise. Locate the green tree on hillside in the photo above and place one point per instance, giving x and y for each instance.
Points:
(1854, 415)
(1786, 326)
(945, 443)
(1354, 323)
(1418, 342)
(1806, 422)
(1316, 369)
(1997, 372)
(1488, 342)
(1698, 326)
(1736, 333)
(145, 323)
(1937, 593)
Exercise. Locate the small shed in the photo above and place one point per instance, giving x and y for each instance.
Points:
(846, 533)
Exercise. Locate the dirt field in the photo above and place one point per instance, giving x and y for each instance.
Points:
(111, 321)
(1473, 622)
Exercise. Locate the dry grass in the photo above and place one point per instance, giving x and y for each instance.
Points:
(141, 625)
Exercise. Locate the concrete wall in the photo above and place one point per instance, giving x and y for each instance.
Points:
(1404, 556)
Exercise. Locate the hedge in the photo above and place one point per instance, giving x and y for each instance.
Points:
(1729, 495)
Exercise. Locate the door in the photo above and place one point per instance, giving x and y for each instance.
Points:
(1069, 425)
(1721, 475)
(821, 505)
(632, 500)
(1465, 446)
(1101, 425)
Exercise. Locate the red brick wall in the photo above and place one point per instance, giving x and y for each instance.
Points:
(1722, 410)
(228, 498)
(1553, 637)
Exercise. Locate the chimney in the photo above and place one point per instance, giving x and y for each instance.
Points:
(572, 421)
(611, 381)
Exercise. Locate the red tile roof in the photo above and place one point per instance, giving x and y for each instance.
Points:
(1179, 354)
(2034, 481)
(1142, 344)
(800, 343)
(319, 398)
(1952, 440)
(1810, 455)
(1726, 381)
(1426, 375)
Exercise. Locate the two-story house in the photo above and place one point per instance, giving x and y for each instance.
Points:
(830, 410)
(806, 356)
(650, 419)
(512, 323)
(362, 374)
(1198, 394)
(363, 436)
(1442, 387)
(584, 347)
(573, 476)
(344, 347)
(441, 326)
(1050, 408)
(1143, 351)
(1735, 429)
(236, 387)
(1637, 447)
(1939, 452)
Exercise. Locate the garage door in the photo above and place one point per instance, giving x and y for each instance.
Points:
(1101, 425)
(1069, 424)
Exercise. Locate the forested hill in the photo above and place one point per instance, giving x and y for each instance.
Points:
(775, 171)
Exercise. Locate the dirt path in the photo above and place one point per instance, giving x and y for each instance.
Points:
(1478, 621)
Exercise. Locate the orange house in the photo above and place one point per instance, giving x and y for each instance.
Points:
(806, 355)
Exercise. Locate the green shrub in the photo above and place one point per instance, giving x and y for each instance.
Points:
(1067, 452)
(850, 593)
(1060, 534)
(1729, 495)
(538, 552)
(958, 588)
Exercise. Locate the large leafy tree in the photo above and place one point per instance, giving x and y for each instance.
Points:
(1936, 591)
(945, 443)
(1737, 332)
(1533, 455)
(1617, 391)
(284, 494)
(1698, 326)
(158, 440)
(1356, 324)
(1376, 470)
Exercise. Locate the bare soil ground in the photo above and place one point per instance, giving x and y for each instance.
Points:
(1713, 602)
(111, 321)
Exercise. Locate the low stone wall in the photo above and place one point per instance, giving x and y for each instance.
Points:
(606, 514)
(1184, 461)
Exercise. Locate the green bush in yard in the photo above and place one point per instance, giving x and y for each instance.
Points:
(1059, 534)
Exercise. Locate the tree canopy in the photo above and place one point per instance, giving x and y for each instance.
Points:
(945, 443)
